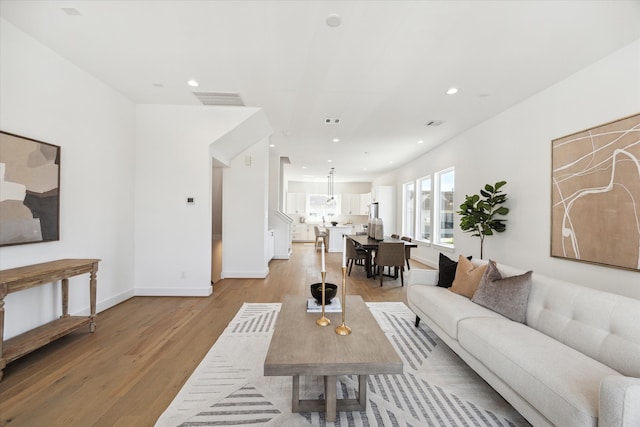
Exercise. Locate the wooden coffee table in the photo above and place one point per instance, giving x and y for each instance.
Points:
(301, 348)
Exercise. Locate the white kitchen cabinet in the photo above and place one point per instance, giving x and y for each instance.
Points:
(365, 202)
(296, 203)
(385, 196)
(351, 204)
(302, 233)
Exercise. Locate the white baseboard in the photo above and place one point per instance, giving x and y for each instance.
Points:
(245, 274)
(108, 303)
(425, 262)
(284, 255)
(173, 292)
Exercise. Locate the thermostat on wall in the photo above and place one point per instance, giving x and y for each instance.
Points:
(191, 200)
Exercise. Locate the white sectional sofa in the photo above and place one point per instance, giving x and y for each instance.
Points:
(574, 362)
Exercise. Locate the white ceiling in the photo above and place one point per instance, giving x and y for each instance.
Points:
(384, 71)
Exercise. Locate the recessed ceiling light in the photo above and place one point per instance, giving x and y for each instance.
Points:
(304, 167)
(329, 161)
(193, 83)
(420, 142)
(452, 91)
(272, 145)
(334, 20)
(336, 140)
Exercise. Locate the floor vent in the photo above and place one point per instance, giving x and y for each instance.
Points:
(220, 98)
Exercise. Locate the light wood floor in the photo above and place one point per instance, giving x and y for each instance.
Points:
(144, 349)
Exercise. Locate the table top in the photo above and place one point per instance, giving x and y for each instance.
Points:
(20, 278)
(300, 347)
(369, 243)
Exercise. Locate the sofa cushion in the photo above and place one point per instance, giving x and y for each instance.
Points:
(467, 277)
(447, 270)
(446, 308)
(601, 325)
(562, 383)
(507, 296)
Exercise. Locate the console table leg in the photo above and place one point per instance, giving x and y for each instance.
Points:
(65, 297)
(3, 363)
(93, 284)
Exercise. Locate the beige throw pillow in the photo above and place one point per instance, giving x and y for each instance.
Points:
(467, 277)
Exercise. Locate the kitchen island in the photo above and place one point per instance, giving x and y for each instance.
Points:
(335, 236)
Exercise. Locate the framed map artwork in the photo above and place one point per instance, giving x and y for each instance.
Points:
(29, 190)
(595, 195)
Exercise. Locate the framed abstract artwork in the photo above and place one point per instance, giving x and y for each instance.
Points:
(595, 195)
(29, 190)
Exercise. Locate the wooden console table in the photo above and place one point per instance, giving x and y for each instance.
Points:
(18, 279)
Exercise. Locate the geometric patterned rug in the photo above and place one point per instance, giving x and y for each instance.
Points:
(437, 388)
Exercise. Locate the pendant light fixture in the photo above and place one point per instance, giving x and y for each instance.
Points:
(330, 198)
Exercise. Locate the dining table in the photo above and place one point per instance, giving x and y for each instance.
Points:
(371, 245)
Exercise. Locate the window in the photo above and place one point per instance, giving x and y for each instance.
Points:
(428, 211)
(409, 208)
(443, 207)
(424, 212)
(320, 208)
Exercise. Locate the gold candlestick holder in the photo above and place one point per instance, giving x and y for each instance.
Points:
(344, 329)
(323, 321)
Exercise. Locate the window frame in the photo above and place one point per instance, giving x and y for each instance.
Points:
(437, 223)
(418, 235)
(405, 214)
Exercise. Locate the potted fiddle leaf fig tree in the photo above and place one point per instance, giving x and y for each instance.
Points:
(478, 212)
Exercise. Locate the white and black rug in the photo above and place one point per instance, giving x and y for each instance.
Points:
(436, 389)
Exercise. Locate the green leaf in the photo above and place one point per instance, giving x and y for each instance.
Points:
(489, 188)
(502, 210)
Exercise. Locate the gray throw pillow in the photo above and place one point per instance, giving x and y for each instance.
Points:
(507, 296)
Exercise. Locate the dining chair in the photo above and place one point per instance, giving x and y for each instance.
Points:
(390, 255)
(321, 237)
(407, 250)
(356, 255)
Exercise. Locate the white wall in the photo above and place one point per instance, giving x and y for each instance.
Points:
(245, 214)
(173, 162)
(45, 97)
(321, 187)
(516, 146)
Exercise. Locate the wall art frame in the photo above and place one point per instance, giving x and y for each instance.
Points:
(595, 195)
(29, 190)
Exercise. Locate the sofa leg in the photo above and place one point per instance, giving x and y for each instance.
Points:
(417, 321)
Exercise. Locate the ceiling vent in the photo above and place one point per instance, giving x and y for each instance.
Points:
(331, 121)
(434, 123)
(220, 98)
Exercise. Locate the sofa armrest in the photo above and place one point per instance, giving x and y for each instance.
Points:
(619, 402)
(422, 277)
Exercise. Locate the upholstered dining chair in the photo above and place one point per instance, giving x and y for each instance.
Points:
(390, 255)
(355, 255)
(407, 250)
(321, 236)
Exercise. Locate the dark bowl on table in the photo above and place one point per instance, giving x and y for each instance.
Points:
(330, 291)
(334, 223)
